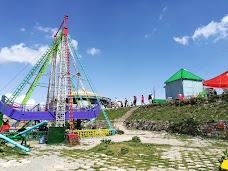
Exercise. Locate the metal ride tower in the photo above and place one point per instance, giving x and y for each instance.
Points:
(64, 80)
(59, 100)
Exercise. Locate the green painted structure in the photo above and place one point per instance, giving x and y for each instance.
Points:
(183, 74)
(55, 135)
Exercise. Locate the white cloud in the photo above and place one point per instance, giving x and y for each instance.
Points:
(161, 16)
(150, 35)
(147, 35)
(182, 40)
(162, 13)
(213, 30)
(94, 51)
(22, 29)
(20, 53)
(51, 31)
(164, 9)
(20, 98)
(218, 30)
(75, 43)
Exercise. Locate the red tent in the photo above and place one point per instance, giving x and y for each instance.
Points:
(221, 81)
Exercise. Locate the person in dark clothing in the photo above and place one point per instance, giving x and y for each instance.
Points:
(215, 92)
(150, 99)
(125, 102)
(135, 101)
(78, 124)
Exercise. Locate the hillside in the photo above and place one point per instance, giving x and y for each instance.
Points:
(113, 113)
(201, 109)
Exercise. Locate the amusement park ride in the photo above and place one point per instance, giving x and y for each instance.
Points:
(61, 55)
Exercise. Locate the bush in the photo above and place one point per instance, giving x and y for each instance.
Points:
(135, 139)
(106, 141)
(120, 132)
(110, 153)
(101, 148)
(189, 126)
(124, 150)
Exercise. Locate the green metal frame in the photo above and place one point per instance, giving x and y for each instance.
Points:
(11, 136)
(42, 70)
(33, 70)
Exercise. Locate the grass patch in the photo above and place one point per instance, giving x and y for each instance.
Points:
(113, 113)
(219, 144)
(132, 154)
(8, 151)
(130, 149)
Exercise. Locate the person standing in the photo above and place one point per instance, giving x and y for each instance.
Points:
(135, 101)
(142, 100)
(125, 102)
(150, 99)
(116, 103)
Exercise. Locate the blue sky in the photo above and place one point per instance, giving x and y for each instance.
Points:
(128, 47)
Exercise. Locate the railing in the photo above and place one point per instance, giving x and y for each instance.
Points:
(43, 108)
(93, 132)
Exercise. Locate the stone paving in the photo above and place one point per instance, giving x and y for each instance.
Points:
(193, 154)
(48, 158)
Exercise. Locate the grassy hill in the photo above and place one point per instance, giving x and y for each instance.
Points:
(201, 109)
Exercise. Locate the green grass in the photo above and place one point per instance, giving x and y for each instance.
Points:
(142, 156)
(113, 113)
(134, 149)
(8, 151)
(132, 154)
(175, 113)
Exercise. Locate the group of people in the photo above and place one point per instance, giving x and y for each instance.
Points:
(126, 103)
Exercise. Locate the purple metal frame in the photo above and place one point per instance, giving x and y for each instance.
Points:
(20, 113)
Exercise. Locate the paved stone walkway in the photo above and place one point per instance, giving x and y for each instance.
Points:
(193, 154)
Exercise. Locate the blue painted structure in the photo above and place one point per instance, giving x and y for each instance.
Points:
(33, 127)
(172, 89)
(14, 143)
(21, 133)
(184, 87)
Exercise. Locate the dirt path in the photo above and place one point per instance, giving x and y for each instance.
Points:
(118, 123)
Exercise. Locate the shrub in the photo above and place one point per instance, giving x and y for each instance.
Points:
(110, 153)
(106, 141)
(124, 150)
(120, 132)
(101, 148)
(135, 139)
